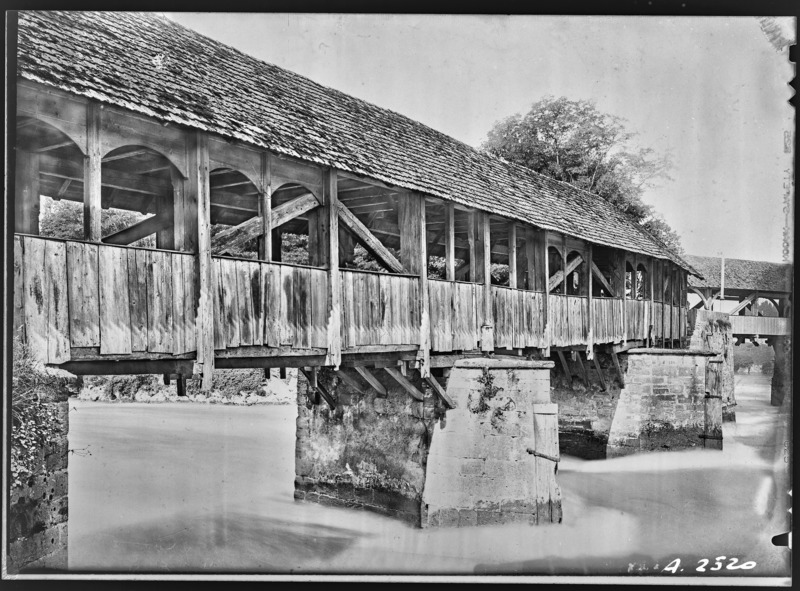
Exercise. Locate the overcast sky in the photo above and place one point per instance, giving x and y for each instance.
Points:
(711, 91)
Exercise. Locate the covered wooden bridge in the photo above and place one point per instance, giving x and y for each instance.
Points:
(285, 224)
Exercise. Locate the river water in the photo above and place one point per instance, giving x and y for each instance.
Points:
(187, 487)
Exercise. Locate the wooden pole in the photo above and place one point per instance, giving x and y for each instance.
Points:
(450, 241)
(652, 303)
(200, 186)
(26, 202)
(473, 250)
(92, 175)
(487, 330)
(512, 255)
(331, 198)
(542, 242)
(265, 242)
(624, 261)
(590, 338)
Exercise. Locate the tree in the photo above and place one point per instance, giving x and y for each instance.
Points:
(574, 142)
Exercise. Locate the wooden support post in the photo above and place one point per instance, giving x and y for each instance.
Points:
(330, 210)
(487, 330)
(652, 303)
(371, 380)
(166, 379)
(623, 261)
(414, 257)
(545, 278)
(347, 253)
(267, 373)
(618, 368)
(588, 276)
(26, 201)
(165, 209)
(512, 255)
(92, 175)
(564, 366)
(282, 372)
(599, 372)
(450, 240)
(474, 248)
(184, 214)
(531, 267)
(317, 388)
(265, 243)
(181, 383)
(199, 188)
(403, 381)
(437, 387)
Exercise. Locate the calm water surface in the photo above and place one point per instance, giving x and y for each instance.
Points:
(183, 487)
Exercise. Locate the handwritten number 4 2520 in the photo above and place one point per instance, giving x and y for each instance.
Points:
(733, 564)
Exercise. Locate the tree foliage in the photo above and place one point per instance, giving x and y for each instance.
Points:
(574, 142)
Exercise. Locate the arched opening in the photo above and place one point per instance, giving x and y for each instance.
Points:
(642, 283)
(49, 181)
(299, 241)
(234, 200)
(138, 185)
(576, 281)
(630, 281)
(555, 263)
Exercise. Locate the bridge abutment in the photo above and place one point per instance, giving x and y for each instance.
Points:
(782, 370)
(713, 332)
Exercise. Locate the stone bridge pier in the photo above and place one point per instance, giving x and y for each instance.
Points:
(380, 446)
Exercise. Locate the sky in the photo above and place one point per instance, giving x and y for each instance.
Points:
(710, 91)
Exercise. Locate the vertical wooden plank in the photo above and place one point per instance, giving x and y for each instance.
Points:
(321, 311)
(301, 309)
(265, 208)
(256, 285)
(351, 305)
(287, 306)
(178, 296)
(137, 293)
(272, 304)
(189, 305)
(58, 306)
(244, 296)
(220, 315)
(487, 329)
(19, 290)
(159, 305)
(115, 319)
(84, 298)
(231, 302)
(474, 247)
(449, 241)
(36, 295)
(92, 175)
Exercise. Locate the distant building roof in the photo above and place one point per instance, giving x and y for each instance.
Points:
(147, 63)
(742, 274)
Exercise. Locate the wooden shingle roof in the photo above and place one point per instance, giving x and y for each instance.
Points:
(742, 274)
(146, 63)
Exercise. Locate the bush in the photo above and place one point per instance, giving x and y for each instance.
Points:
(32, 419)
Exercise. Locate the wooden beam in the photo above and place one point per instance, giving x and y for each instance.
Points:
(368, 240)
(602, 279)
(744, 303)
(371, 379)
(403, 381)
(584, 373)
(599, 372)
(564, 366)
(512, 254)
(450, 241)
(542, 244)
(331, 210)
(55, 146)
(414, 256)
(472, 240)
(140, 230)
(618, 368)
(124, 155)
(252, 228)
(265, 209)
(487, 330)
(559, 276)
(153, 366)
(318, 388)
(92, 175)
(437, 387)
(350, 381)
(200, 192)
(590, 336)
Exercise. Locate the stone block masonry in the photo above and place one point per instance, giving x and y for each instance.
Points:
(713, 332)
(38, 508)
(479, 468)
(663, 405)
(371, 451)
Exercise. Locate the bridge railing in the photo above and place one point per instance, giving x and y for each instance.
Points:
(379, 309)
(568, 318)
(637, 319)
(456, 313)
(518, 318)
(607, 320)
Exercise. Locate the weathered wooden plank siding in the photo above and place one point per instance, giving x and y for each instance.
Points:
(35, 296)
(137, 297)
(607, 321)
(19, 298)
(58, 313)
(637, 318)
(84, 297)
(115, 313)
(568, 317)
